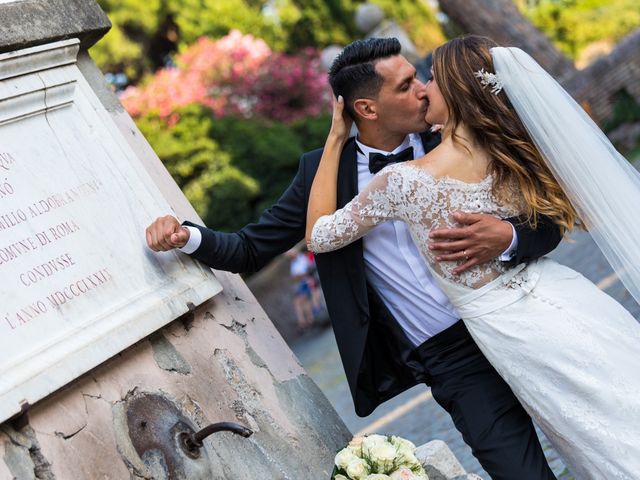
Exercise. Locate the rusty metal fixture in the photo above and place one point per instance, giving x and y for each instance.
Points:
(154, 423)
(160, 432)
(192, 442)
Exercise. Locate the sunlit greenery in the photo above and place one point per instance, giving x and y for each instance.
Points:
(199, 166)
(230, 169)
(574, 24)
(146, 32)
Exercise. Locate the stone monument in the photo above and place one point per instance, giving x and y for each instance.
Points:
(113, 356)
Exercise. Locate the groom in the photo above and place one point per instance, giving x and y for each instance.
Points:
(394, 327)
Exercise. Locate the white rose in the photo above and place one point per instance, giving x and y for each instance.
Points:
(377, 476)
(373, 439)
(403, 443)
(357, 469)
(343, 458)
(340, 477)
(370, 441)
(408, 459)
(383, 452)
(383, 455)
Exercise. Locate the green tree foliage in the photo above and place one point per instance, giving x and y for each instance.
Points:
(625, 110)
(229, 168)
(268, 152)
(146, 32)
(317, 23)
(418, 19)
(320, 23)
(216, 18)
(574, 24)
(133, 45)
(217, 190)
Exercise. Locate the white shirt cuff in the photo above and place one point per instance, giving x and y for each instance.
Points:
(509, 253)
(195, 239)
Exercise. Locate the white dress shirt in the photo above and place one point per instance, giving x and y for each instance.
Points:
(395, 267)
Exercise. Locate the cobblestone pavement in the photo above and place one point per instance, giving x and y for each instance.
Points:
(414, 414)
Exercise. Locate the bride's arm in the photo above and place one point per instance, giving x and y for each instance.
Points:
(381, 200)
(329, 229)
(322, 198)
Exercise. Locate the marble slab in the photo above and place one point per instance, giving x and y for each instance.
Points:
(77, 282)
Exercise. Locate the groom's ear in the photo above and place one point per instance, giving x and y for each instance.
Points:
(365, 108)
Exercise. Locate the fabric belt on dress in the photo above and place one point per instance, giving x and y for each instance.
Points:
(482, 301)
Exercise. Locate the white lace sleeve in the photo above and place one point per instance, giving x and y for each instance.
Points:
(375, 204)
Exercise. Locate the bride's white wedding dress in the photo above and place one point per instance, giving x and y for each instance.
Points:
(570, 353)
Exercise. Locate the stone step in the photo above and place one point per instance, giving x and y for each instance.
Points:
(441, 464)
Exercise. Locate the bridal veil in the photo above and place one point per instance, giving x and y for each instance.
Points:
(602, 185)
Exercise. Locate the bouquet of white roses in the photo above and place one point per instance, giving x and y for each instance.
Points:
(378, 457)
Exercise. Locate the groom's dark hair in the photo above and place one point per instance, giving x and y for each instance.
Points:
(353, 73)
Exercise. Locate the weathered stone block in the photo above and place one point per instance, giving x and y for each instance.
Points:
(34, 22)
(441, 464)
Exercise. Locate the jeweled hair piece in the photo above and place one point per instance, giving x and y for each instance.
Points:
(490, 79)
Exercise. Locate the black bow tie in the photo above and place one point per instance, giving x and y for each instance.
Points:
(377, 161)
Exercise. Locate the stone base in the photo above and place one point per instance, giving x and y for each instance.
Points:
(441, 464)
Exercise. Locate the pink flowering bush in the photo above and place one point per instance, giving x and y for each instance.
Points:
(236, 75)
(292, 87)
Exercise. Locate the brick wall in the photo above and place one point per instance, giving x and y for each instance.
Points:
(597, 85)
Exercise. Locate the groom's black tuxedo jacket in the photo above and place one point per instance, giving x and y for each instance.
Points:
(375, 353)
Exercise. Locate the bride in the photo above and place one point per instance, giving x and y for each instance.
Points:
(515, 143)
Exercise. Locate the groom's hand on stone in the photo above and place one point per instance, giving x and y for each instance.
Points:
(166, 233)
(479, 239)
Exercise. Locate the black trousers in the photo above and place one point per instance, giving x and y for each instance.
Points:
(483, 407)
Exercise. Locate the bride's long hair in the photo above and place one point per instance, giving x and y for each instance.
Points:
(496, 127)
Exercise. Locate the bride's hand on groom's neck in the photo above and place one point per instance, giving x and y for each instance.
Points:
(341, 122)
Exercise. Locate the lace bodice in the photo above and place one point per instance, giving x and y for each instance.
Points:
(410, 193)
